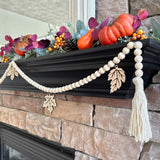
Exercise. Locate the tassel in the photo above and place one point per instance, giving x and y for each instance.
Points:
(139, 124)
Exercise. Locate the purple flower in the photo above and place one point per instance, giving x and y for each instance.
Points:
(44, 43)
(59, 33)
(33, 44)
(137, 23)
(92, 23)
(1, 53)
(8, 47)
(104, 23)
(68, 35)
(62, 29)
(95, 34)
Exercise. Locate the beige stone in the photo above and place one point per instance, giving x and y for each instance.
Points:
(112, 119)
(153, 97)
(110, 8)
(111, 102)
(82, 156)
(99, 143)
(155, 125)
(147, 22)
(73, 111)
(151, 151)
(152, 6)
(13, 117)
(23, 103)
(43, 126)
(156, 78)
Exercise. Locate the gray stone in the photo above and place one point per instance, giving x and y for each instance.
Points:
(110, 8)
(82, 156)
(152, 6)
(153, 97)
(99, 143)
(155, 125)
(112, 119)
(43, 126)
(151, 151)
(147, 22)
(156, 78)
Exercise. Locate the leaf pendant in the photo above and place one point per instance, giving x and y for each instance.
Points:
(117, 76)
(49, 103)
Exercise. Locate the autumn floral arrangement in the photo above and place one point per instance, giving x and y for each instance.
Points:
(125, 28)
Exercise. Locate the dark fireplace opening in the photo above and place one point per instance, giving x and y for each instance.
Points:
(18, 144)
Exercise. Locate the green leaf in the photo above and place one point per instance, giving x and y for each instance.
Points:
(155, 25)
(80, 25)
(99, 21)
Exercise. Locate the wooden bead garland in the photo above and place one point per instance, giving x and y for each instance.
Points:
(145, 133)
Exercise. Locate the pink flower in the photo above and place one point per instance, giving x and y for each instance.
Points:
(142, 14)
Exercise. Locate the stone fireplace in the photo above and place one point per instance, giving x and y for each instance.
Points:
(86, 128)
(96, 128)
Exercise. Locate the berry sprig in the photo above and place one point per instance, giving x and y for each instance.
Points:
(4, 59)
(140, 35)
(60, 41)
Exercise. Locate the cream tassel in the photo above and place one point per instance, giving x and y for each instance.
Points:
(139, 124)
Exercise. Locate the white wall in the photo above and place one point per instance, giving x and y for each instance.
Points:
(16, 25)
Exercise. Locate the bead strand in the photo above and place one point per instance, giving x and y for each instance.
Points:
(89, 78)
(138, 59)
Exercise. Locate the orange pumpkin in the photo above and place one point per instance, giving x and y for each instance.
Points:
(122, 26)
(21, 44)
(86, 41)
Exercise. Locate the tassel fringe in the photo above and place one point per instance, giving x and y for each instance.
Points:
(139, 124)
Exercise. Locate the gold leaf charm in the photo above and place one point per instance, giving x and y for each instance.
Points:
(49, 103)
(117, 76)
(12, 73)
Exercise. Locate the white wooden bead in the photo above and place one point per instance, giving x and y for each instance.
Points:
(54, 90)
(139, 73)
(106, 67)
(137, 52)
(111, 64)
(93, 76)
(125, 50)
(89, 78)
(116, 60)
(73, 85)
(97, 74)
(81, 83)
(85, 81)
(77, 84)
(138, 45)
(63, 89)
(101, 71)
(121, 56)
(138, 65)
(130, 45)
(58, 90)
(138, 59)
(70, 87)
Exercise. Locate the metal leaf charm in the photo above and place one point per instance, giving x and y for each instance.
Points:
(49, 103)
(117, 76)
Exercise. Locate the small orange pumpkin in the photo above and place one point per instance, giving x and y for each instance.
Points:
(21, 44)
(122, 26)
(86, 41)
